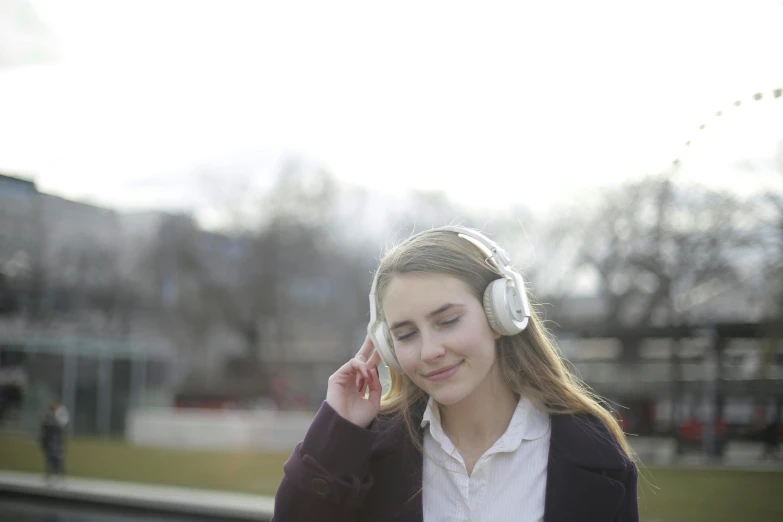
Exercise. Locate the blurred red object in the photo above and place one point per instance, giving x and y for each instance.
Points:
(692, 430)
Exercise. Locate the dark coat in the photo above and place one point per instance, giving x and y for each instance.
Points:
(341, 472)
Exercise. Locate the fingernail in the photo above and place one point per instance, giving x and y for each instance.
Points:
(360, 387)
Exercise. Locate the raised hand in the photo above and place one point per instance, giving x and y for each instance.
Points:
(347, 389)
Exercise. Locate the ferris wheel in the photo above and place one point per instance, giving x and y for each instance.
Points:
(774, 94)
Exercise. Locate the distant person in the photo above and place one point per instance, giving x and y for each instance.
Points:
(52, 440)
(482, 420)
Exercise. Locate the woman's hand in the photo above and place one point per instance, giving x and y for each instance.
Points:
(347, 387)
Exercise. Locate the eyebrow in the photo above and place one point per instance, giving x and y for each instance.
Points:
(440, 310)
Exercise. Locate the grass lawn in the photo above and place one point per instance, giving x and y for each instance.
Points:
(666, 494)
(246, 472)
(723, 495)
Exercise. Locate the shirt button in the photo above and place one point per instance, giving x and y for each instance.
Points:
(321, 487)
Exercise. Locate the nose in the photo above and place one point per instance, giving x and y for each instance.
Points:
(431, 347)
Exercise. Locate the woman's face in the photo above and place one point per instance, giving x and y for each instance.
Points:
(440, 333)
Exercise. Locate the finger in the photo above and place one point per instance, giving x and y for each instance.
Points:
(373, 381)
(374, 384)
(366, 348)
(375, 389)
(375, 359)
(363, 384)
(361, 367)
(347, 371)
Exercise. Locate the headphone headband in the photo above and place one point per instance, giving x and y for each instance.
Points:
(518, 307)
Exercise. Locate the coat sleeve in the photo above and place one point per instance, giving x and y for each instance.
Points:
(629, 511)
(327, 477)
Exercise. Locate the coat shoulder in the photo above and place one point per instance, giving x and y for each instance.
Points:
(390, 432)
(587, 442)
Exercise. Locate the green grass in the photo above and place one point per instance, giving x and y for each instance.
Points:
(246, 472)
(715, 495)
(666, 494)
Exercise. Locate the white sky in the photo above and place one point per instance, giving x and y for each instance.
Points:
(488, 101)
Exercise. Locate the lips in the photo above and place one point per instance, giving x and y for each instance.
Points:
(444, 373)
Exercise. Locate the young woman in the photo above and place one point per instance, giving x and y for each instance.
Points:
(482, 420)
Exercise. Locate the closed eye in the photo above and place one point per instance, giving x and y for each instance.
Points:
(442, 323)
(450, 321)
(403, 337)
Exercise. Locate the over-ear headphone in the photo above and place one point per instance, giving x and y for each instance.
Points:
(505, 300)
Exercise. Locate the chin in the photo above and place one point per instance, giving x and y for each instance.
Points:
(449, 395)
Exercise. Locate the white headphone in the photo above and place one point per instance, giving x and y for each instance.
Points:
(505, 300)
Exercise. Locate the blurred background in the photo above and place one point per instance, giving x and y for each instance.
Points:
(194, 196)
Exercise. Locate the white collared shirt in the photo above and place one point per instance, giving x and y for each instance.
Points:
(508, 482)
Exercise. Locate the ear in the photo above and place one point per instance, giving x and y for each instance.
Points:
(496, 335)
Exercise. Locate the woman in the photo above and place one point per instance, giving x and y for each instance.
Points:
(482, 420)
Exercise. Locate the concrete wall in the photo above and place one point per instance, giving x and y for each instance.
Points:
(216, 429)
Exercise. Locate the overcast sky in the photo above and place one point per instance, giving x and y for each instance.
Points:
(505, 102)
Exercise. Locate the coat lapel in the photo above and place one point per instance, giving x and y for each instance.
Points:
(582, 460)
(411, 499)
(581, 456)
(397, 469)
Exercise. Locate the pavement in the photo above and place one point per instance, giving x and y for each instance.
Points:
(176, 500)
(738, 455)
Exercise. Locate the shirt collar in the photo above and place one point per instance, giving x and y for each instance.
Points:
(527, 423)
(432, 417)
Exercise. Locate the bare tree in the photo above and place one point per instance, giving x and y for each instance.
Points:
(269, 284)
(767, 211)
(649, 244)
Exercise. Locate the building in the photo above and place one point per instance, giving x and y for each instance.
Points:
(20, 242)
(72, 324)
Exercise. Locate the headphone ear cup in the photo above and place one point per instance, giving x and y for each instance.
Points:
(489, 307)
(382, 344)
(496, 302)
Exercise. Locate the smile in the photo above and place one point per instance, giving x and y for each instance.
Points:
(445, 373)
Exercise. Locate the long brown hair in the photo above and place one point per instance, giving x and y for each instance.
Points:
(530, 360)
